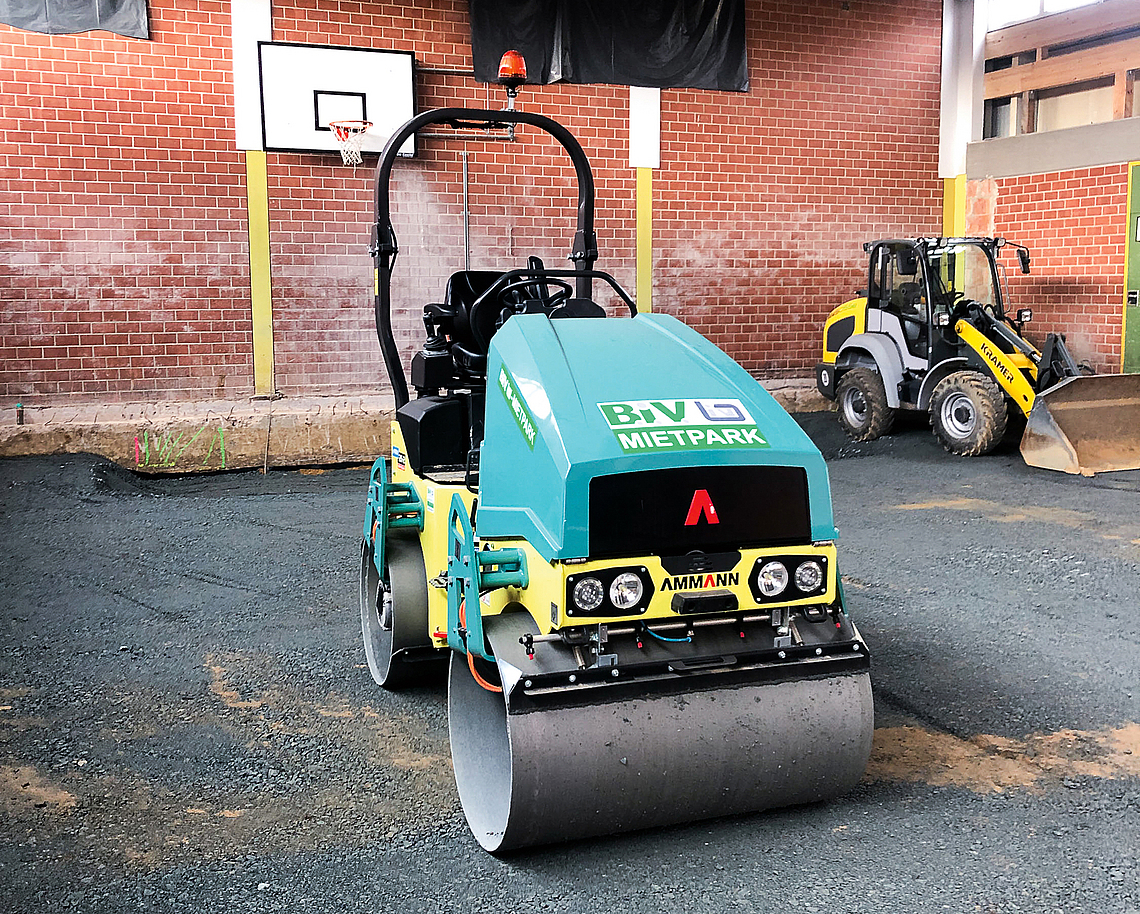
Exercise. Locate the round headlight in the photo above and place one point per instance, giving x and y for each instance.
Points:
(626, 590)
(773, 578)
(809, 576)
(588, 594)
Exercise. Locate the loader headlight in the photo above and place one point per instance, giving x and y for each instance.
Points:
(809, 576)
(626, 590)
(588, 594)
(773, 579)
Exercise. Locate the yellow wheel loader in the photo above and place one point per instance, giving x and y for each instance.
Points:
(931, 333)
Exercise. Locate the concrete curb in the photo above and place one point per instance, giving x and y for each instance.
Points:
(797, 395)
(197, 436)
(209, 436)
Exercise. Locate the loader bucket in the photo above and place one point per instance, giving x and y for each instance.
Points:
(1085, 425)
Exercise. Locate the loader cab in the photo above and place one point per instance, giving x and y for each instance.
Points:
(899, 298)
(916, 288)
(962, 270)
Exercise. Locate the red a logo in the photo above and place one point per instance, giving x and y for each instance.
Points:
(702, 504)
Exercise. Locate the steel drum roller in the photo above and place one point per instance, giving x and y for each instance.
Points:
(576, 771)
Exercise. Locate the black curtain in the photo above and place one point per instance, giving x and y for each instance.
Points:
(527, 26)
(695, 44)
(66, 17)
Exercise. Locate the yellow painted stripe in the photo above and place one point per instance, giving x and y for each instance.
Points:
(1128, 214)
(644, 290)
(954, 206)
(260, 284)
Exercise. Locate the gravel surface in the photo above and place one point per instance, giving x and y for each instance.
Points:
(187, 723)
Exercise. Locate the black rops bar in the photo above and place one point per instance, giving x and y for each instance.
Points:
(584, 252)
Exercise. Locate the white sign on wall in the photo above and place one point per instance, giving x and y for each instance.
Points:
(644, 127)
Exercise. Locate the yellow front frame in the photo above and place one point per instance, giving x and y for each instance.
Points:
(545, 595)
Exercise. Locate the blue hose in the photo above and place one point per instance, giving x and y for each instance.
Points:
(650, 631)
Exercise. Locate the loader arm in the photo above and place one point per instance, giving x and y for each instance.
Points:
(1008, 369)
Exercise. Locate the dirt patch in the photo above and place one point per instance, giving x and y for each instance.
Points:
(1010, 514)
(992, 764)
(23, 788)
(12, 725)
(230, 697)
(266, 759)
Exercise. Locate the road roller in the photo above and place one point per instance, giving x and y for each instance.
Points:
(614, 544)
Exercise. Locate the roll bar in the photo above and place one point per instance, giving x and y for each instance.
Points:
(384, 247)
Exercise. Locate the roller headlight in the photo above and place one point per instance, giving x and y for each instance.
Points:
(773, 579)
(626, 590)
(809, 576)
(588, 594)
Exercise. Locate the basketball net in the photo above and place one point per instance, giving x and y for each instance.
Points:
(350, 136)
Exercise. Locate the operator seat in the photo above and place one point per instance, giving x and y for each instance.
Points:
(910, 305)
(911, 295)
(440, 431)
(463, 288)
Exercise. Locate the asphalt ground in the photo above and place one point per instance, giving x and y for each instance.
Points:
(187, 722)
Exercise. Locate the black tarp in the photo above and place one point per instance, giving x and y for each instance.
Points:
(695, 44)
(66, 17)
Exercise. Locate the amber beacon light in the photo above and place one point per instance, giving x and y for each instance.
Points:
(512, 70)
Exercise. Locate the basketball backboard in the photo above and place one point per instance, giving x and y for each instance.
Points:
(304, 86)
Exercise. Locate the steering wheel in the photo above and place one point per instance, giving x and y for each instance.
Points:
(503, 293)
(960, 305)
(529, 286)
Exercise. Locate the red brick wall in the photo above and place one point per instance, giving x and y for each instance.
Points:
(122, 201)
(129, 275)
(763, 203)
(1074, 223)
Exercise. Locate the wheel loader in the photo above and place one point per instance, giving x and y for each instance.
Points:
(614, 544)
(931, 333)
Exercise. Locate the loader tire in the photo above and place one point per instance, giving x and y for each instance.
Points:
(967, 411)
(863, 410)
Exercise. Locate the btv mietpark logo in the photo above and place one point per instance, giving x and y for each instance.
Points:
(648, 425)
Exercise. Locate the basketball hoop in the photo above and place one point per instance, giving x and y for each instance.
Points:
(350, 134)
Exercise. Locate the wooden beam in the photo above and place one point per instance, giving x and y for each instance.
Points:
(1065, 69)
(1027, 113)
(1062, 28)
(1122, 94)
